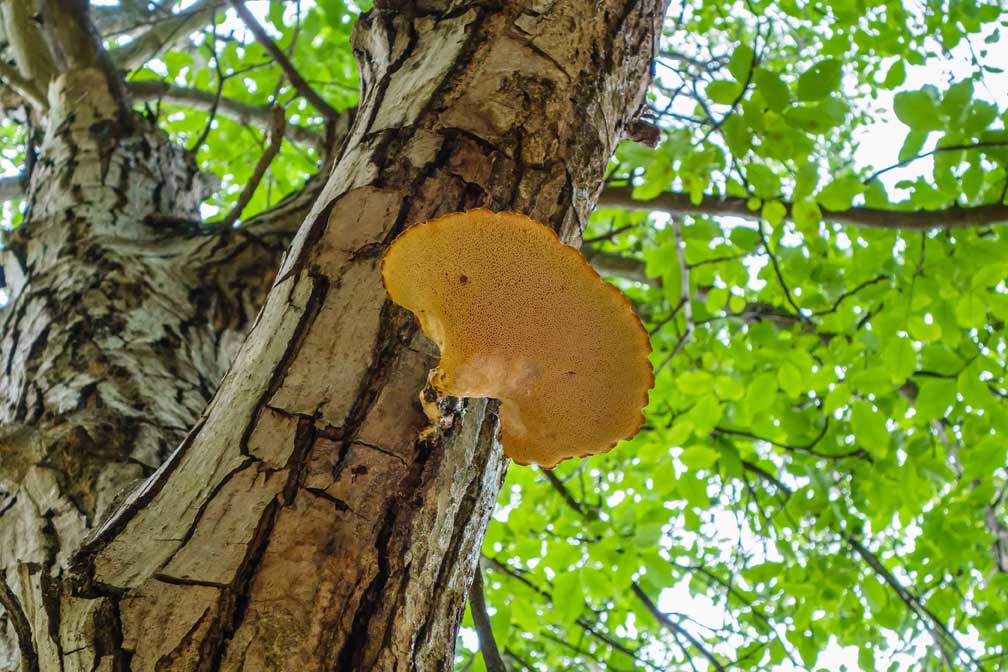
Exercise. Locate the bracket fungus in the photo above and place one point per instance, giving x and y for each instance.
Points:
(521, 317)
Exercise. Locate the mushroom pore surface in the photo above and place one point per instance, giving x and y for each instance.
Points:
(521, 317)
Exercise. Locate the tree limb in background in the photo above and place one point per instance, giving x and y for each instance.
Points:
(488, 644)
(260, 116)
(165, 34)
(955, 217)
(293, 76)
(619, 266)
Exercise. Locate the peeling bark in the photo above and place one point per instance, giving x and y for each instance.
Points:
(302, 523)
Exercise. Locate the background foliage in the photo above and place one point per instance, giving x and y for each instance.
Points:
(821, 480)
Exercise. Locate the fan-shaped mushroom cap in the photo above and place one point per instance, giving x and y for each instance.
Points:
(523, 318)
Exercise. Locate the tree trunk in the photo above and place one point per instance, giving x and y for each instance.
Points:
(302, 523)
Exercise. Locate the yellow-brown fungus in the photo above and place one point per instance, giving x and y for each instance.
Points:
(523, 318)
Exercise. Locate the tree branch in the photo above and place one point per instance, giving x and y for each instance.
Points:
(488, 644)
(260, 116)
(955, 217)
(293, 76)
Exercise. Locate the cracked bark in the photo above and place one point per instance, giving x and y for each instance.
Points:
(301, 523)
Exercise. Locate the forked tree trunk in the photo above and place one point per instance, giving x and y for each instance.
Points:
(302, 524)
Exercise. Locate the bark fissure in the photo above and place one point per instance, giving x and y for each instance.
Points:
(234, 599)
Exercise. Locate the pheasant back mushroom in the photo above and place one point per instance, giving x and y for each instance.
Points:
(521, 317)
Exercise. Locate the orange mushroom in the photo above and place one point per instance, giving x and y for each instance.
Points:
(523, 318)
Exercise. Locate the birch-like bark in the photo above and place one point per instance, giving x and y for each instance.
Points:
(302, 523)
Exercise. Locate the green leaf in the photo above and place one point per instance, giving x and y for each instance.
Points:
(900, 359)
(912, 144)
(774, 212)
(971, 310)
(740, 62)
(869, 428)
(729, 388)
(837, 195)
(705, 414)
(744, 237)
(762, 393)
(791, 379)
(919, 109)
(737, 135)
(806, 214)
(934, 396)
(773, 89)
(699, 457)
(955, 102)
(764, 181)
(895, 75)
(724, 91)
(568, 598)
(695, 383)
(820, 80)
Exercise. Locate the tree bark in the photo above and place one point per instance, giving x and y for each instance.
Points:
(302, 523)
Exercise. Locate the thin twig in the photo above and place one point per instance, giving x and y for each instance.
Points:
(806, 449)
(217, 96)
(684, 296)
(293, 76)
(609, 235)
(941, 634)
(846, 295)
(564, 492)
(938, 150)
(276, 138)
(780, 276)
(663, 618)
